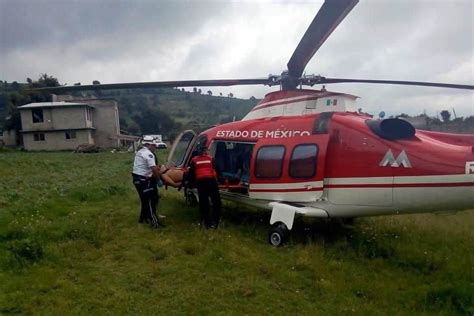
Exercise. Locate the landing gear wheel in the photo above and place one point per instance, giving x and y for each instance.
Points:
(190, 199)
(278, 235)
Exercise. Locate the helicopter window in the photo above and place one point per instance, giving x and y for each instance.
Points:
(269, 161)
(181, 148)
(310, 104)
(202, 141)
(303, 161)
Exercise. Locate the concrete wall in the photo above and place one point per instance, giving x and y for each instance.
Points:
(56, 118)
(106, 122)
(105, 118)
(57, 140)
(453, 127)
(9, 138)
(27, 120)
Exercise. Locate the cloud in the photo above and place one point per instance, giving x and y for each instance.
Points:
(125, 41)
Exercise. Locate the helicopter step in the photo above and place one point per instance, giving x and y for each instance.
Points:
(282, 218)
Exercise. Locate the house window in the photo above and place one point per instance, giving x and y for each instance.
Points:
(37, 115)
(303, 161)
(70, 134)
(269, 161)
(38, 137)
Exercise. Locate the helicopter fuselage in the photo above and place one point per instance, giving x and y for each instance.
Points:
(339, 163)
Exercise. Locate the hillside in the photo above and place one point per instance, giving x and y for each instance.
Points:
(186, 109)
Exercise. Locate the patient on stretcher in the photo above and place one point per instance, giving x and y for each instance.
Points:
(171, 177)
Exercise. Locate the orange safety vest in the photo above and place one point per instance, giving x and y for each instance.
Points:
(204, 168)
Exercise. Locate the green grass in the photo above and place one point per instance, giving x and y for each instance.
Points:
(70, 244)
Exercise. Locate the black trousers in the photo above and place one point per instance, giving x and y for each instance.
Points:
(208, 188)
(148, 193)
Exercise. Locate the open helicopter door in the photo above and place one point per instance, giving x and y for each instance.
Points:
(181, 150)
(290, 170)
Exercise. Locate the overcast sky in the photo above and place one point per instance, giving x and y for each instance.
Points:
(127, 41)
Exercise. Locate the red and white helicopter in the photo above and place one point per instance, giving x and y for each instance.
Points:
(310, 153)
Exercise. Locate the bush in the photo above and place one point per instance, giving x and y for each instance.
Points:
(26, 250)
(458, 298)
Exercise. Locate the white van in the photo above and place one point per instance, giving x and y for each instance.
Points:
(161, 144)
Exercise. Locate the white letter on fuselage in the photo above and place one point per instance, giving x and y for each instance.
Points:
(389, 159)
(469, 167)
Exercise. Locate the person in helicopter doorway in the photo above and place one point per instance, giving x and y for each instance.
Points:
(145, 175)
(243, 163)
(202, 172)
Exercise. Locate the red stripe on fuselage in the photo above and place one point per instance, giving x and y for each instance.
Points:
(356, 186)
(286, 190)
(399, 185)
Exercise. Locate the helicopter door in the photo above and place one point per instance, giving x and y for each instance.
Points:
(181, 149)
(292, 171)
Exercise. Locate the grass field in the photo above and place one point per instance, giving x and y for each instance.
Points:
(70, 244)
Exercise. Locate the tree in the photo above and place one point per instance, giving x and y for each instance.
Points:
(43, 81)
(15, 86)
(15, 99)
(230, 95)
(154, 121)
(433, 121)
(133, 128)
(155, 100)
(123, 123)
(209, 92)
(445, 115)
(46, 81)
(13, 118)
(195, 90)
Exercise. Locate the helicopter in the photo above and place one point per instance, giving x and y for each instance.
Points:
(309, 152)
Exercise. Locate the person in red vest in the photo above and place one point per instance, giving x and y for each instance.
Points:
(202, 170)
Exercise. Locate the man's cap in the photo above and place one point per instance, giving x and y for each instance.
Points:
(150, 140)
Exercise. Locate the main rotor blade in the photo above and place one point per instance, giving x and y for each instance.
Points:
(156, 84)
(326, 20)
(398, 82)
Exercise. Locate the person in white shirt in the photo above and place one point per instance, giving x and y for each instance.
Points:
(145, 175)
